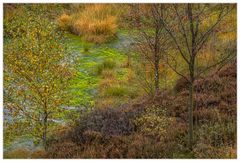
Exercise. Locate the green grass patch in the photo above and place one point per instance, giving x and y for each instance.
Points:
(90, 59)
(116, 91)
(106, 64)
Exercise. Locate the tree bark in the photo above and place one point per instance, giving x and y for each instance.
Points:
(45, 126)
(45, 132)
(156, 58)
(156, 76)
(190, 111)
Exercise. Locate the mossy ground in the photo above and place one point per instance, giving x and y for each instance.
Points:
(84, 85)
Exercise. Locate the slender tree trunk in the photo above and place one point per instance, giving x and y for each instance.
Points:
(190, 111)
(191, 99)
(45, 126)
(192, 77)
(156, 58)
(45, 132)
(156, 76)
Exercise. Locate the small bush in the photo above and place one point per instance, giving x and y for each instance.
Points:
(181, 84)
(108, 122)
(64, 22)
(205, 151)
(38, 154)
(154, 122)
(92, 136)
(64, 149)
(217, 134)
(17, 154)
(142, 147)
(216, 140)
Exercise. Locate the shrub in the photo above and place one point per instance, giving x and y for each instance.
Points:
(93, 151)
(17, 154)
(93, 136)
(38, 154)
(154, 122)
(205, 151)
(216, 140)
(229, 70)
(157, 126)
(108, 121)
(217, 134)
(142, 147)
(64, 149)
(181, 84)
(144, 128)
(64, 22)
(213, 93)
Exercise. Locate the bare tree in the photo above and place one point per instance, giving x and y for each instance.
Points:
(190, 26)
(150, 40)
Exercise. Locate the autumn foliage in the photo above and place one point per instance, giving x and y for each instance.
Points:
(120, 81)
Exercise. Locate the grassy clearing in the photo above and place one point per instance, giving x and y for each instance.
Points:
(98, 72)
(100, 75)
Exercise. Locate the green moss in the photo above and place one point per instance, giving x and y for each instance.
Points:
(84, 85)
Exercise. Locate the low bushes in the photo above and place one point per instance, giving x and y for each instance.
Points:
(216, 140)
(217, 134)
(215, 93)
(17, 154)
(63, 150)
(120, 133)
(157, 127)
(204, 151)
(38, 154)
(108, 121)
(153, 122)
(24, 154)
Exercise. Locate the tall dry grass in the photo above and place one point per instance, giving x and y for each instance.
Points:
(95, 22)
(64, 21)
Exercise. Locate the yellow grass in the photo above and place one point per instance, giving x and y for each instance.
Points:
(64, 21)
(95, 23)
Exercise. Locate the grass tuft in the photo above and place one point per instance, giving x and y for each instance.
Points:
(95, 23)
(106, 64)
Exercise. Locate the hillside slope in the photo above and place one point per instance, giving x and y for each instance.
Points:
(144, 128)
